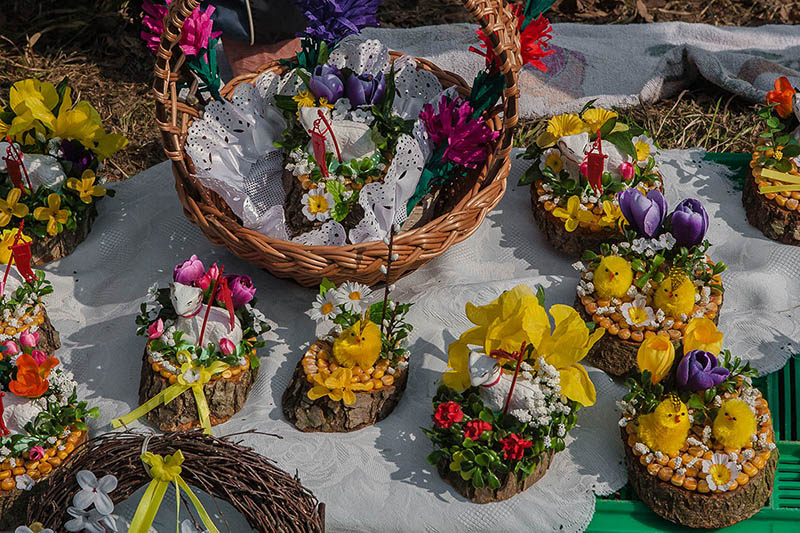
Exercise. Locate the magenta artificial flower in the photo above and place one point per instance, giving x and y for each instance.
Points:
(465, 137)
(28, 339)
(36, 453)
(242, 289)
(39, 356)
(206, 280)
(196, 31)
(189, 271)
(226, 346)
(627, 170)
(155, 330)
(11, 348)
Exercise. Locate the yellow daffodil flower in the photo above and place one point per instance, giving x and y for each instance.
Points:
(574, 214)
(3, 130)
(10, 207)
(702, 334)
(561, 126)
(81, 122)
(597, 117)
(106, 144)
(85, 187)
(612, 215)
(6, 240)
(53, 214)
(32, 101)
(656, 355)
(338, 386)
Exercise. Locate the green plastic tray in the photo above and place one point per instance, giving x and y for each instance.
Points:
(624, 513)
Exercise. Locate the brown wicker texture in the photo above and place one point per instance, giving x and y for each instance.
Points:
(461, 208)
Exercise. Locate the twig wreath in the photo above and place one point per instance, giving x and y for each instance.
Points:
(269, 498)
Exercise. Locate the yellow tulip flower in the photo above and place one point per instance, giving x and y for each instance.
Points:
(53, 214)
(656, 355)
(596, 118)
(10, 207)
(85, 187)
(702, 334)
(574, 214)
(6, 240)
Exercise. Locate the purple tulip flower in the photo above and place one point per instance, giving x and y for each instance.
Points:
(326, 82)
(699, 371)
(645, 214)
(689, 222)
(74, 152)
(189, 271)
(242, 290)
(365, 89)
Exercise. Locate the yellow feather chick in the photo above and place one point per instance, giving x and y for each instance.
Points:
(612, 277)
(360, 344)
(675, 294)
(734, 424)
(665, 429)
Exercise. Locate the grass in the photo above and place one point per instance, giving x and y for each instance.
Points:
(96, 44)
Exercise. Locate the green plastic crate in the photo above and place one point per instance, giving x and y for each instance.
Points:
(626, 514)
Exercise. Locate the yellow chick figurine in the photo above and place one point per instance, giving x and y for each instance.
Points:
(360, 344)
(665, 429)
(734, 424)
(675, 294)
(612, 277)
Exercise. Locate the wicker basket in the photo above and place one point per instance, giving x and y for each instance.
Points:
(460, 209)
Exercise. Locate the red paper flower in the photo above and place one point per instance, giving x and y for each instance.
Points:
(514, 447)
(532, 40)
(782, 95)
(474, 428)
(447, 414)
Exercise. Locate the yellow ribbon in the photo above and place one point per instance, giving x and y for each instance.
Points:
(165, 470)
(782, 177)
(199, 376)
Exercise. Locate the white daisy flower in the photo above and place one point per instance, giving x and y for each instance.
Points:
(351, 295)
(324, 308)
(644, 148)
(722, 472)
(637, 313)
(317, 205)
(551, 158)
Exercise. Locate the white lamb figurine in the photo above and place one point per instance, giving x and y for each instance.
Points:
(188, 304)
(486, 373)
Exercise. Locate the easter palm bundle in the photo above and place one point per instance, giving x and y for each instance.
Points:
(698, 436)
(652, 282)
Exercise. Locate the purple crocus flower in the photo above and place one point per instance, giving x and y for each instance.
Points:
(333, 20)
(326, 82)
(699, 371)
(689, 222)
(242, 290)
(74, 152)
(365, 89)
(645, 214)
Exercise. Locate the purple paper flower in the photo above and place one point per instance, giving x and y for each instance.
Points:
(365, 89)
(326, 82)
(645, 214)
(699, 371)
(196, 31)
(689, 222)
(333, 20)
(189, 271)
(242, 290)
(80, 157)
(465, 137)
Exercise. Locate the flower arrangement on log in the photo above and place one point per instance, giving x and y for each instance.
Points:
(512, 393)
(652, 282)
(581, 163)
(200, 360)
(354, 376)
(698, 436)
(51, 152)
(771, 194)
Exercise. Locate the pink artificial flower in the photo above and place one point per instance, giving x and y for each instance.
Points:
(11, 347)
(155, 330)
(153, 23)
(39, 356)
(28, 339)
(189, 271)
(207, 279)
(36, 453)
(196, 31)
(226, 346)
(585, 169)
(627, 170)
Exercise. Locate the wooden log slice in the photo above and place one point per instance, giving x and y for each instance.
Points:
(225, 397)
(49, 339)
(14, 504)
(695, 509)
(323, 414)
(774, 221)
(52, 248)
(617, 356)
(510, 484)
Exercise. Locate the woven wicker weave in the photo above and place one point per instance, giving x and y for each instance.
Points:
(461, 208)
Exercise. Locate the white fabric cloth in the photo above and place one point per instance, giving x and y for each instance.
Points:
(377, 479)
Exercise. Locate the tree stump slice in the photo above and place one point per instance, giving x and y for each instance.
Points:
(323, 414)
(510, 484)
(695, 509)
(14, 505)
(616, 356)
(225, 397)
(49, 339)
(571, 244)
(52, 248)
(775, 222)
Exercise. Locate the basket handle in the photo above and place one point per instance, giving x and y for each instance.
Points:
(494, 17)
